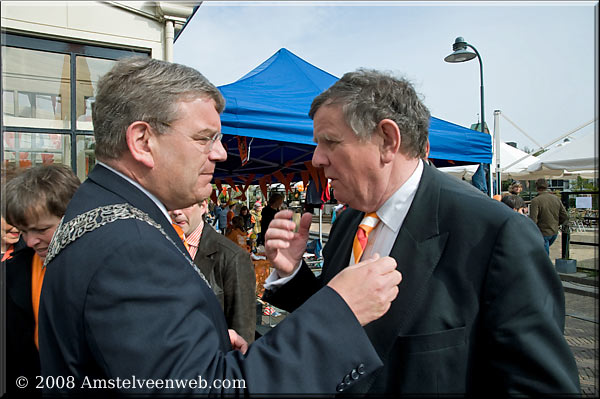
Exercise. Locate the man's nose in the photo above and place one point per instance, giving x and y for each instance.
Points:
(218, 153)
(319, 159)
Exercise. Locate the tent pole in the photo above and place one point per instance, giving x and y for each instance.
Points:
(321, 225)
(497, 136)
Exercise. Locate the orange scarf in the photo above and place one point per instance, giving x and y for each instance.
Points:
(37, 278)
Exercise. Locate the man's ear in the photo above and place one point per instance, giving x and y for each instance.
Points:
(138, 136)
(391, 140)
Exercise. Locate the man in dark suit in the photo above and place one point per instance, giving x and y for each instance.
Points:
(124, 306)
(481, 309)
(226, 266)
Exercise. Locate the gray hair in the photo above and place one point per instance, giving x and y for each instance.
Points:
(143, 89)
(369, 96)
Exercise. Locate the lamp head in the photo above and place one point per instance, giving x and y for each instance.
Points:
(460, 54)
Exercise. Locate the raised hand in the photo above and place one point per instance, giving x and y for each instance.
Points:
(284, 247)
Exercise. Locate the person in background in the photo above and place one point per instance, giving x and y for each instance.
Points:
(245, 214)
(230, 214)
(256, 215)
(515, 202)
(547, 212)
(268, 213)
(515, 188)
(36, 200)
(221, 216)
(227, 268)
(10, 236)
(122, 297)
(481, 308)
(237, 233)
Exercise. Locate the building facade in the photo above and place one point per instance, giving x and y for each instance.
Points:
(53, 54)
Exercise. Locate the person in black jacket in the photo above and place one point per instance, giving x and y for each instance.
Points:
(35, 202)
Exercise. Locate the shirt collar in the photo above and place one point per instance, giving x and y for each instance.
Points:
(142, 189)
(401, 199)
(194, 238)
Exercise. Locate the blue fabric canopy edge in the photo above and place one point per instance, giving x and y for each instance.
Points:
(270, 104)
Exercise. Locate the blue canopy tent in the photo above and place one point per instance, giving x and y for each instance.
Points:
(269, 107)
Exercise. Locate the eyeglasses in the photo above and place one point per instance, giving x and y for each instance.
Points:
(206, 142)
(209, 142)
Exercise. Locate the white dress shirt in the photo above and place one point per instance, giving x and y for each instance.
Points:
(381, 240)
(138, 185)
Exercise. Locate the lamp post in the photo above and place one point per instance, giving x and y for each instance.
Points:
(461, 54)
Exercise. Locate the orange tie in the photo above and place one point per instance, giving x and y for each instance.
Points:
(181, 235)
(367, 225)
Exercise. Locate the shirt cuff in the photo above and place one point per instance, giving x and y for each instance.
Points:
(274, 281)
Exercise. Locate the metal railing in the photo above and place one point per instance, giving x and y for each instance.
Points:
(566, 229)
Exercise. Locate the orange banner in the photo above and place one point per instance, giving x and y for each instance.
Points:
(305, 178)
(313, 172)
(283, 180)
(243, 148)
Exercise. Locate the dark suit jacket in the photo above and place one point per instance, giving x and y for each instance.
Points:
(230, 272)
(123, 300)
(22, 358)
(480, 308)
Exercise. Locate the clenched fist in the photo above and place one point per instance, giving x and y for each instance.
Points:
(369, 287)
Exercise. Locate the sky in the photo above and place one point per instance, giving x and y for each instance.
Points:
(539, 57)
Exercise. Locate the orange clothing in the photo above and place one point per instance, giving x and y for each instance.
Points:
(239, 237)
(37, 278)
(181, 235)
(8, 253)
(230, 216)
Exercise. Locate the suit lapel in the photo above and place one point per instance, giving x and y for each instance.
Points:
(340, 248)
(417, 250)
(131, 194)
(206, 247)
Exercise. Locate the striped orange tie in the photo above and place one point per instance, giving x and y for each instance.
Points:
(181, 235)
(367, 225)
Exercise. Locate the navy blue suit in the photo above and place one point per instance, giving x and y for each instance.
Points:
(480, 309)
(123, 300)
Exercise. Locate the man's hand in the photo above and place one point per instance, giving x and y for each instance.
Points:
(368, 287)
(283, 247)
(237, 342)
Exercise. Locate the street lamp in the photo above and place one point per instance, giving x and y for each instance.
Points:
(461, 54)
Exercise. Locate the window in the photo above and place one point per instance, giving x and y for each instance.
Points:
(40, 122)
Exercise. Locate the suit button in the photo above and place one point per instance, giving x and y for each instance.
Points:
(347, 380)
(361, 369)
(354, 374)
(340, 388)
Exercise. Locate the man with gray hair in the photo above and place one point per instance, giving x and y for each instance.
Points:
(480, 310)
(125, 307)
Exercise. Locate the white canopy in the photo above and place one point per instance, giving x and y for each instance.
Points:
(575, 157)
(509, 169)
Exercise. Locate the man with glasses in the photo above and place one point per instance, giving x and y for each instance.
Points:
(125, 307)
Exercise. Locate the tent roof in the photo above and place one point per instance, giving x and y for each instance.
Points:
(574, 155)
(270, 104)
(509, 169)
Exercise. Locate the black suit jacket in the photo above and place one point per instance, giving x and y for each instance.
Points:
(22, 357)
(480, 308)
(230, 272)
(123, 300)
